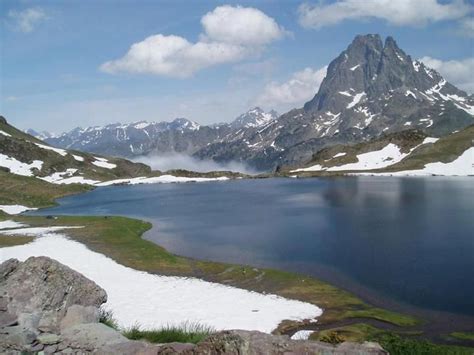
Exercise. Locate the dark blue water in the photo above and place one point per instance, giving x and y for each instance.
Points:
(405, 239)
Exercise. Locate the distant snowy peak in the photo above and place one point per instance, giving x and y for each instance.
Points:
(40, 135)
(255, 117)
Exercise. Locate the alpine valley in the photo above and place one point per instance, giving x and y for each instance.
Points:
(372, 89)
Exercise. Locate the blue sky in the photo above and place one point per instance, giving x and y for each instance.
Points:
(65, 63)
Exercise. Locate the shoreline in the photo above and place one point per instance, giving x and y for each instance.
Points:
(323, 321)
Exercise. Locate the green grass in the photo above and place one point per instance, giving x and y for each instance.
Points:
(33, 192)
(403, 343)
(106, 317)
(185, 333)
(10, 240)
(462, 335)
(397, 345)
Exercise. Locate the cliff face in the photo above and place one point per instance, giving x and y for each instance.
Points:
(46, 306)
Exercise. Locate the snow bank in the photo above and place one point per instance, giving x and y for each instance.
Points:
(376, 159)
(163, 179)
(156, 301)
(61, 152)
(5, 133)
(104, 164)
(67, 177)
(19, 168)
(462, 166)
(15, 209)
(10, 224)
(77, 157)
(302, 335)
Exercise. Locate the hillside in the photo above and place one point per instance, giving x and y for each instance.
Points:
(409, 152)
(25, 155)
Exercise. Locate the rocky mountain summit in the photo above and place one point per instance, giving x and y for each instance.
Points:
(370, 89)
(50, 308)
(141, 138)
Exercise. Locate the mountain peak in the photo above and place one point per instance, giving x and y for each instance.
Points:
(253, 118)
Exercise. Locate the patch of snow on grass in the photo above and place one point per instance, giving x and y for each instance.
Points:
(355, 67)
(302, 335)
(339, 155)
(19, 168)
(78, 157)
(410, 93)
(430, 140)
(163, 179)
(462, 166)
(15, 209)
(104, 164)
(156, 301)
(345, 93)
(10, 224)
(5, 133)
(61, 152)
(407, 123)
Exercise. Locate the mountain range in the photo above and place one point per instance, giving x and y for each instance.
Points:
(373, 88)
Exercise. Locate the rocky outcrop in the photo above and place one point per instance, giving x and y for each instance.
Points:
(237, 342)
(49, 308)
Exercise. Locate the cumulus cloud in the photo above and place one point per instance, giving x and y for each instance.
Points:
(230, 35)
(400, 12)
(26, 20)
(457, 72)
(301, 87)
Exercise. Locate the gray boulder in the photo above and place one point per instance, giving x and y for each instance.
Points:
(43, 286)
(240, 342)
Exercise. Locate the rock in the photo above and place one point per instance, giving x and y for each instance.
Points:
(16, 337)
(77, 314)
(48, 338)
(44, 286)
(7, 319)
(240, 342)
(91, 336)
(29, 321)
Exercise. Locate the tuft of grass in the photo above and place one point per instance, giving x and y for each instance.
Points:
(106, 316)
(462, 335)
(397, 345)
(184, 333)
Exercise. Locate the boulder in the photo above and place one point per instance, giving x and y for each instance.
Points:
(44, 286)
(77, 314)
(240, 342)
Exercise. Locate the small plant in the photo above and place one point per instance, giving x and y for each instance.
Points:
(332, 338)
(106, 316)
(184, 333)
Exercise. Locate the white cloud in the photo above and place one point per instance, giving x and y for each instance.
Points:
(301, 87)
(240, 25)
(230, 35)
(399, 12)
(26, 20)
(457, 72)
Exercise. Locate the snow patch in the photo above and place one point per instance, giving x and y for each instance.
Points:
(10, 224)
(165, 300)
(302, 335)
(339, 155)
(356, 99)
(61, 152)
(15, 209)
(77, 157)
(163, 179)
(5, 133)
(19, 168)
(104, 164)
(355, 67)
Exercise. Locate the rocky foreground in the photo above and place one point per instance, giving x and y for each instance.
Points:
(46, 307)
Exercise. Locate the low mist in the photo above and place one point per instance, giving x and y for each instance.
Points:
(164, 162)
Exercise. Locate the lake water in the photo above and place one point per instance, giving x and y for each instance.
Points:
(407, 240)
